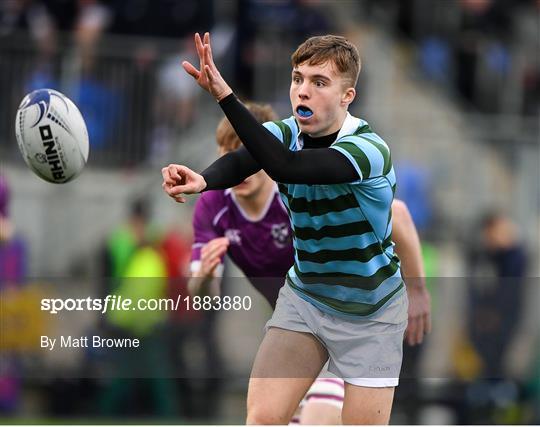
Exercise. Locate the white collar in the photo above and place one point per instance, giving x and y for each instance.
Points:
(350, 124)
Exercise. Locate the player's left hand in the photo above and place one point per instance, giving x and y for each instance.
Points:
(419, 313)
(207, 76)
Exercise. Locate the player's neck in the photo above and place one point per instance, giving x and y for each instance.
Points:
(254, 205)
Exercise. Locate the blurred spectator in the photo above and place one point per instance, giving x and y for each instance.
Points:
(26, 15)
(98, 101)
(482, 24)
(470, 46)
(255, 21)
(30, 19)
(141, 378)
(13, 260)
(92, 21)
(526, 27)
(414, 190)
(199, 391)
(176, 94)
(497, 268)
(175, 102)
(435, 59)
(164, 18)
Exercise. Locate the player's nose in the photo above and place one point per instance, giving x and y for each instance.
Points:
(303, 91)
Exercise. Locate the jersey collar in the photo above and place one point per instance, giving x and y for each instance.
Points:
(350, 124)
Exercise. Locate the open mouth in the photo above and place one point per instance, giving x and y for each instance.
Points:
(304, 111)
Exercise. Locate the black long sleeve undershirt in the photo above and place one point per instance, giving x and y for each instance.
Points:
(230, 170)
(263, 150)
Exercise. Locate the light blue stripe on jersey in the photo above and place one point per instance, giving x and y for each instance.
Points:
(376, 160)
(373, 137)
(348, 267)
(301, 219)
(274, 129)
(337, 244)
(345, 293)
(378, 197)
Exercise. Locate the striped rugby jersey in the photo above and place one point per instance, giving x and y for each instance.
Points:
(344, 256)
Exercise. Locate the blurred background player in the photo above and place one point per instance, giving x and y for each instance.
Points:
(250, 224)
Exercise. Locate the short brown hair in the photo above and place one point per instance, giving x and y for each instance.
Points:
(320, 49)
(226, 136)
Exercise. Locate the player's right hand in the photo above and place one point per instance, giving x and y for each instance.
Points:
(207, 76)
(211, 255)
(179, 180)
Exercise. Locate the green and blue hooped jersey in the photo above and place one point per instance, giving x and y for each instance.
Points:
(344, 255)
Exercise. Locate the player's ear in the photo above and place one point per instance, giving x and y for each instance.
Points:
(348, 95)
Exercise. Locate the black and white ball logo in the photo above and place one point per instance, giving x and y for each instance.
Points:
(281, 235)
(41, 158)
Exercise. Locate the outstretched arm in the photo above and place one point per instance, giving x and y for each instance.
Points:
(320, 166)
(308, 166)
(230, 170)
(225, 172)
(408, 249)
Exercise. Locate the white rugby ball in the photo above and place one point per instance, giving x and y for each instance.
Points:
(51, 135)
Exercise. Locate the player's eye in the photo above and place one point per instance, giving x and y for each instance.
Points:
(296, 80)
(319, 83)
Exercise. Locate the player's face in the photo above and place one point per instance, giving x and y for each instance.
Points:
(319, 98)
(252, 185)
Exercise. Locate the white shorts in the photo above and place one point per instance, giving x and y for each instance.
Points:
(365, 352)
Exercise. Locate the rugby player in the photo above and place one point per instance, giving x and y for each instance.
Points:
(344, 299)
(250, 223)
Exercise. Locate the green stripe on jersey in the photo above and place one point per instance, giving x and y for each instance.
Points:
(285, 131)
(368, 283)
(343, 230)
(359, 156)
(354, 308)
(362, 129)
(319, 207)
(353, 254)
